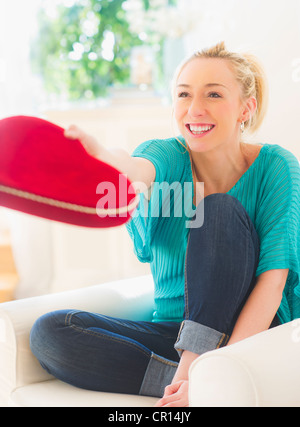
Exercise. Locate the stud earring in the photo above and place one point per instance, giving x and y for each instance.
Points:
(242, 127)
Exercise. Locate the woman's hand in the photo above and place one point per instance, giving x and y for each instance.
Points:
(176, 395)
(90, 143)
(141, 172)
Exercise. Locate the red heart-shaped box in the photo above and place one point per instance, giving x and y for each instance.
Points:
(43, 173)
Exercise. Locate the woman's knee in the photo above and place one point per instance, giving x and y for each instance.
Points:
(45, 335)
(225, 214)
(223, 208)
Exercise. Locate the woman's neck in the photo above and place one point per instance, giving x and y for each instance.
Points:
(219, 169)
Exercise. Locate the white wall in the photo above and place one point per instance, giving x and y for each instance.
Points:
(269, 29)
(20, 91)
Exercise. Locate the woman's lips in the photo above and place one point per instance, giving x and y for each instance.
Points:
(199, 130)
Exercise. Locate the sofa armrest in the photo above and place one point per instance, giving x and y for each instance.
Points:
(261, 371)
(130, 298)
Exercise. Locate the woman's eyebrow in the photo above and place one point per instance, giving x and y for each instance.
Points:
(215, 84)
(183, 85)
(207, 85)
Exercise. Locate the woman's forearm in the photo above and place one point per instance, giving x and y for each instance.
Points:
(256, 315)
(141, 172)
(258, 312)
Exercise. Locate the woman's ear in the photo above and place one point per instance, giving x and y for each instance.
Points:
(249, 109)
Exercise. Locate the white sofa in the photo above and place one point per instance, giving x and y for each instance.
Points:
(260, 371)
(24, 383)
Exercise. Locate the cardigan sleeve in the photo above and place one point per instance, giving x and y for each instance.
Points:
(167, 156)
(278, 226)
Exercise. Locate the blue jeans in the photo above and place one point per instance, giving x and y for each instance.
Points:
(97, 352)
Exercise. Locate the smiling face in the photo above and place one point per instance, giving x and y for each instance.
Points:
(207, 104)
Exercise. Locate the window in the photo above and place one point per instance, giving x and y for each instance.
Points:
(86, 47)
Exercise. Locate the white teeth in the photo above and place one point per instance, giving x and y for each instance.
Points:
(200, 129)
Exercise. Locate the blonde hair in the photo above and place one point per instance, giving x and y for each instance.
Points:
(248, 72)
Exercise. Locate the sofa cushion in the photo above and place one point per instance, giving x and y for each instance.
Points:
(54, 393)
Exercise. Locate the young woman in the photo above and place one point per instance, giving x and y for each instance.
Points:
(224, 279)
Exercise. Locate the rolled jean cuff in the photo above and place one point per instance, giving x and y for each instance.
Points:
(160, 373)
(198, 338)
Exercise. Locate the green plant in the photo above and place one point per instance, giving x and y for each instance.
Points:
(84, 49)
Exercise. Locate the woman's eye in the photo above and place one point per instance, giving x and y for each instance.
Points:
(214, 95)
(183, 95)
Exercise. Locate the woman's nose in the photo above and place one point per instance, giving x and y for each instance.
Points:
(197, 108)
